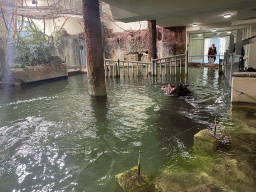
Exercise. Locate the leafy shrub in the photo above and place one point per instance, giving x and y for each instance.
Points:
(33, 49)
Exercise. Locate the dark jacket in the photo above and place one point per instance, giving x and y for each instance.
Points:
(212, 52)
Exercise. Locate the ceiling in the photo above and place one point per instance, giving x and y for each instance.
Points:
(207, 14)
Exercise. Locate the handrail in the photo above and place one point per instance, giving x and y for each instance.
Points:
(126, 61)
(173, 56)
(112, 66)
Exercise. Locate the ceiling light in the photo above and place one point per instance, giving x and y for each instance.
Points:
(195, 24)
(214, 29)
(200, 35)
(227, 15)
(229, 32)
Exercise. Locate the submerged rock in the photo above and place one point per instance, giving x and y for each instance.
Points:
(205, 141)
(177, 90)
(130, 181)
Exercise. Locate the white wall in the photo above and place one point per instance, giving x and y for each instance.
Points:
(252, 58)
(73, 26)
(120, 26)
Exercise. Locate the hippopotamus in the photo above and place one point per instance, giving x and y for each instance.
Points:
(177, 90)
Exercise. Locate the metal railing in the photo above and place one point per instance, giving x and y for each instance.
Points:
(174, 61)
(112, 67)
(204, 58)
(132, 68)
(230, 64)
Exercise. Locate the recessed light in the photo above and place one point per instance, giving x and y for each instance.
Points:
(195, 24)
(214, 29)
(227, 15)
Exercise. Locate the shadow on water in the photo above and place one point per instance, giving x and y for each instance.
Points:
(180, 118)
(101, 150)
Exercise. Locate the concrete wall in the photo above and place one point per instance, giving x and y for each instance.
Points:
(244, 88)
(40, 72)
(252, 54)
(117, 26)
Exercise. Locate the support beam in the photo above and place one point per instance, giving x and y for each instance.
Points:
(94, 48)
(152, 39)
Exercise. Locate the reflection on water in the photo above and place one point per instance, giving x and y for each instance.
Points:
(56, 137)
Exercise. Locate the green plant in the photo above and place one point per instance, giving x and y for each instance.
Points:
(33, 49)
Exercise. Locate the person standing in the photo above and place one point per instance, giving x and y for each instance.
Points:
(212, 52)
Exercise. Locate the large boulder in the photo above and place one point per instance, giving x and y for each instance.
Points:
(129, 181)
(205, 141)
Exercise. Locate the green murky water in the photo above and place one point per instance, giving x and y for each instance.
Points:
(54, 137)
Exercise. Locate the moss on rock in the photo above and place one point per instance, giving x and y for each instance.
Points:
(130, 181)
(205, 141)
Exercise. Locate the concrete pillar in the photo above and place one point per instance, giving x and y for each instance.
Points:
(152, 39)
(94, 48)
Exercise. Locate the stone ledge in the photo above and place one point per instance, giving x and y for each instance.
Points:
(39, 73)
(244, 74)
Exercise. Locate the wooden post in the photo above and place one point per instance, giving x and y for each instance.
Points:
(139, 163)
(94, 48)
(152, 39)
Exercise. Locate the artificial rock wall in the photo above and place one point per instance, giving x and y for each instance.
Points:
(133, 45)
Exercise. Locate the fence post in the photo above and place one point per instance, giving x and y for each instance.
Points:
(186, 63)
(170, 65)
(231, 67)
(128, 70)
(105, 66)
(147, 69)
(180, 63)
(220, 65)
(123, 69)
(160, 67)
(155, 68)
(137, 69)
(165, 65)
(118, 68)
(152, 68)
(175, 69)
